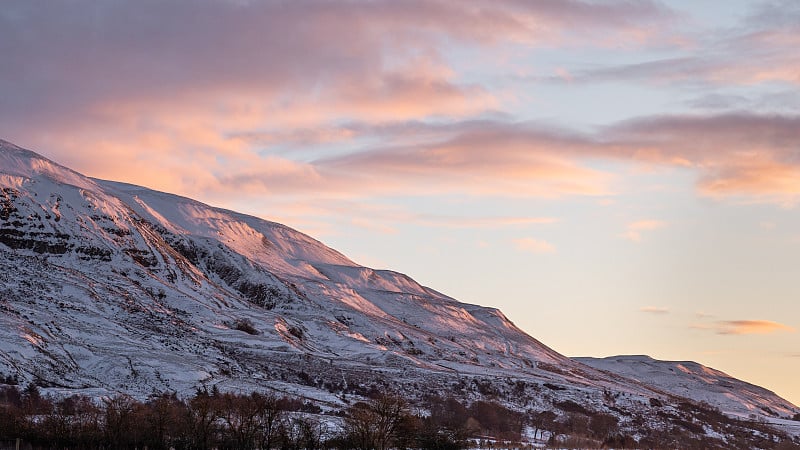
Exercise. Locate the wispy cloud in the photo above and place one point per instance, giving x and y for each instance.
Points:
(654, 309)
(386, 223)
(215, 102)
(479, 222)
(193, 52)
(734, 154)
(633, 231)
(751, 327)
(758, 50)
(532, 245)
(190, 96)
(739, 327)
(738, 156)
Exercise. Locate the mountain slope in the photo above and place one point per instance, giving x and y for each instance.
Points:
(120, 259)
(108, 287)
(696, 381)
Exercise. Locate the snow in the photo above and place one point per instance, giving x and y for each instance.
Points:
(108, 287)
(695, 381)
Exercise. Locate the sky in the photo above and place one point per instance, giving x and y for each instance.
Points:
(619, 177)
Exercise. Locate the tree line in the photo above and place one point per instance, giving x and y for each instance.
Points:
(214, 420)
(211, 419)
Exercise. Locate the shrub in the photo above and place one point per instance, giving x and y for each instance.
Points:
(245, 325)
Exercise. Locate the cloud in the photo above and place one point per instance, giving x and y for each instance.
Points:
(747, 155)
(373, 226)
(752, 327)
(757, 101)
(479, 222)
(209, 96)
(213, 99)
(321, 214)
(758, 49)
(735, 155)
(368, 57)
(648, 224)
(386, 221)
(737, 327)
(633, 231)
(534, 245)
(654, 309)
(515, 168)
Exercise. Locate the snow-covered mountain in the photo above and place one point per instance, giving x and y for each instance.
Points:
(109, 287)
(698, 382)
(117, 286)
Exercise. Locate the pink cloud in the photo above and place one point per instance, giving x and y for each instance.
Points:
(633, 231)
(654, 309)
(751, 327)
(738, 327)
(86, 54)
(747, 155)
(532, 245)
(483, 222)
(190, 97)
(742, 155)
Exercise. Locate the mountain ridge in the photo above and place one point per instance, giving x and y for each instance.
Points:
(112, 287)
(693, 380)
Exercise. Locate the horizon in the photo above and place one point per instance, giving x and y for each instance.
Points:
(617, 178)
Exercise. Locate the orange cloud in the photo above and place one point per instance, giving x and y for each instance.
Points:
(751, 156)
(735, 155)
(482, 222)
(751, 327)
(654, 309)
(534, 245)
(736, 327)
(755, 175)
(218, 103)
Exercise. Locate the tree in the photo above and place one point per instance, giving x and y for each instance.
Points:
(496, 419)
(300, 433)
(541, 422)
(271, 411)
(448, 412)
(119, 422)
(374, 424)
(431, 436)
(241, 416)
(164, 421)
(33, 402)
(202, 419)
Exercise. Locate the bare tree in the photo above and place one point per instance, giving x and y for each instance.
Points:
(119, 423)
(202, 420)
(271, 411)
(241, 414)
(374, 424)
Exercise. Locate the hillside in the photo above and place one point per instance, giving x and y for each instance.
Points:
(107, 287)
